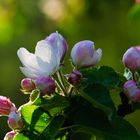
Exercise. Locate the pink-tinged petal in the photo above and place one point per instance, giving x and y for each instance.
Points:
(84, 54)
(27, 84)
(5, 106)
(58, 42)
(46, 85)
(75, 77)
(132, 91)
(10, 135)
(96, 57)
(131, 58)
(15, 121)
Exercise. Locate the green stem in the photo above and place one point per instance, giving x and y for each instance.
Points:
(70, 90)
(61, 81)
(59, 84)
(68, 127)
(62, 78)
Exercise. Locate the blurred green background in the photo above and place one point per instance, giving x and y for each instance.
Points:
(114, 26)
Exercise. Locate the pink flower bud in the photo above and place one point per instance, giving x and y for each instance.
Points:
(132, 91)
(15, 121)
(84, 54)
(46, 85)
(131, 58)
(75, 77)
(57, 41)
(10, 135)
(5, 106)
(27, 84)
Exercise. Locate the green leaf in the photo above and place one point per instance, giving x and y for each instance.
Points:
(54, 105)
(118, 130)
(52, 129)
(87, 119)
(84, 114)
(35, 118)
(121, 130)
(103, 75)
(20, 136)
(90, 120)
(99, 97)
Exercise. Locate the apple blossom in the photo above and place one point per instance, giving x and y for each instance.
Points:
(15, 121)
(75, 77)
(45, 84)
(131, 58)
(84, 54)
(27, 84)
(132, 91)
(6, 106)
(10, 135)
(44, 62)
(57, 41)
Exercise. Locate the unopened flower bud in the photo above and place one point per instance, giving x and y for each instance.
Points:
(131, 58)
(5, 106)
(15, 121)
(132, 91)
(58, 41)
(27, 84)
(75, 77)
(84, 54)
(10, 135)
(46, 85)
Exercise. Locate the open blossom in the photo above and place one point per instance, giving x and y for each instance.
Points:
(131, 58)
(10, 135)
(84, 54)
(46, 59)
(132, 91)
(6, 106)
(57, 41)
(15, 121)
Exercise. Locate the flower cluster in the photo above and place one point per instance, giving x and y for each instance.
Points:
(42, 67)
(49, 86)
(42, 71)
(15, 122)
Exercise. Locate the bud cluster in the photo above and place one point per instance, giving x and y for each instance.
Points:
(15, 122)
(131, 60)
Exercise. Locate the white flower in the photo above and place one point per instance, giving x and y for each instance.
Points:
(44, 62)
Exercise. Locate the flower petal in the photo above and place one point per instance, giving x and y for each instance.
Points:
(49, 55)
(28, 59)
(29, 72)
(97, 56)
